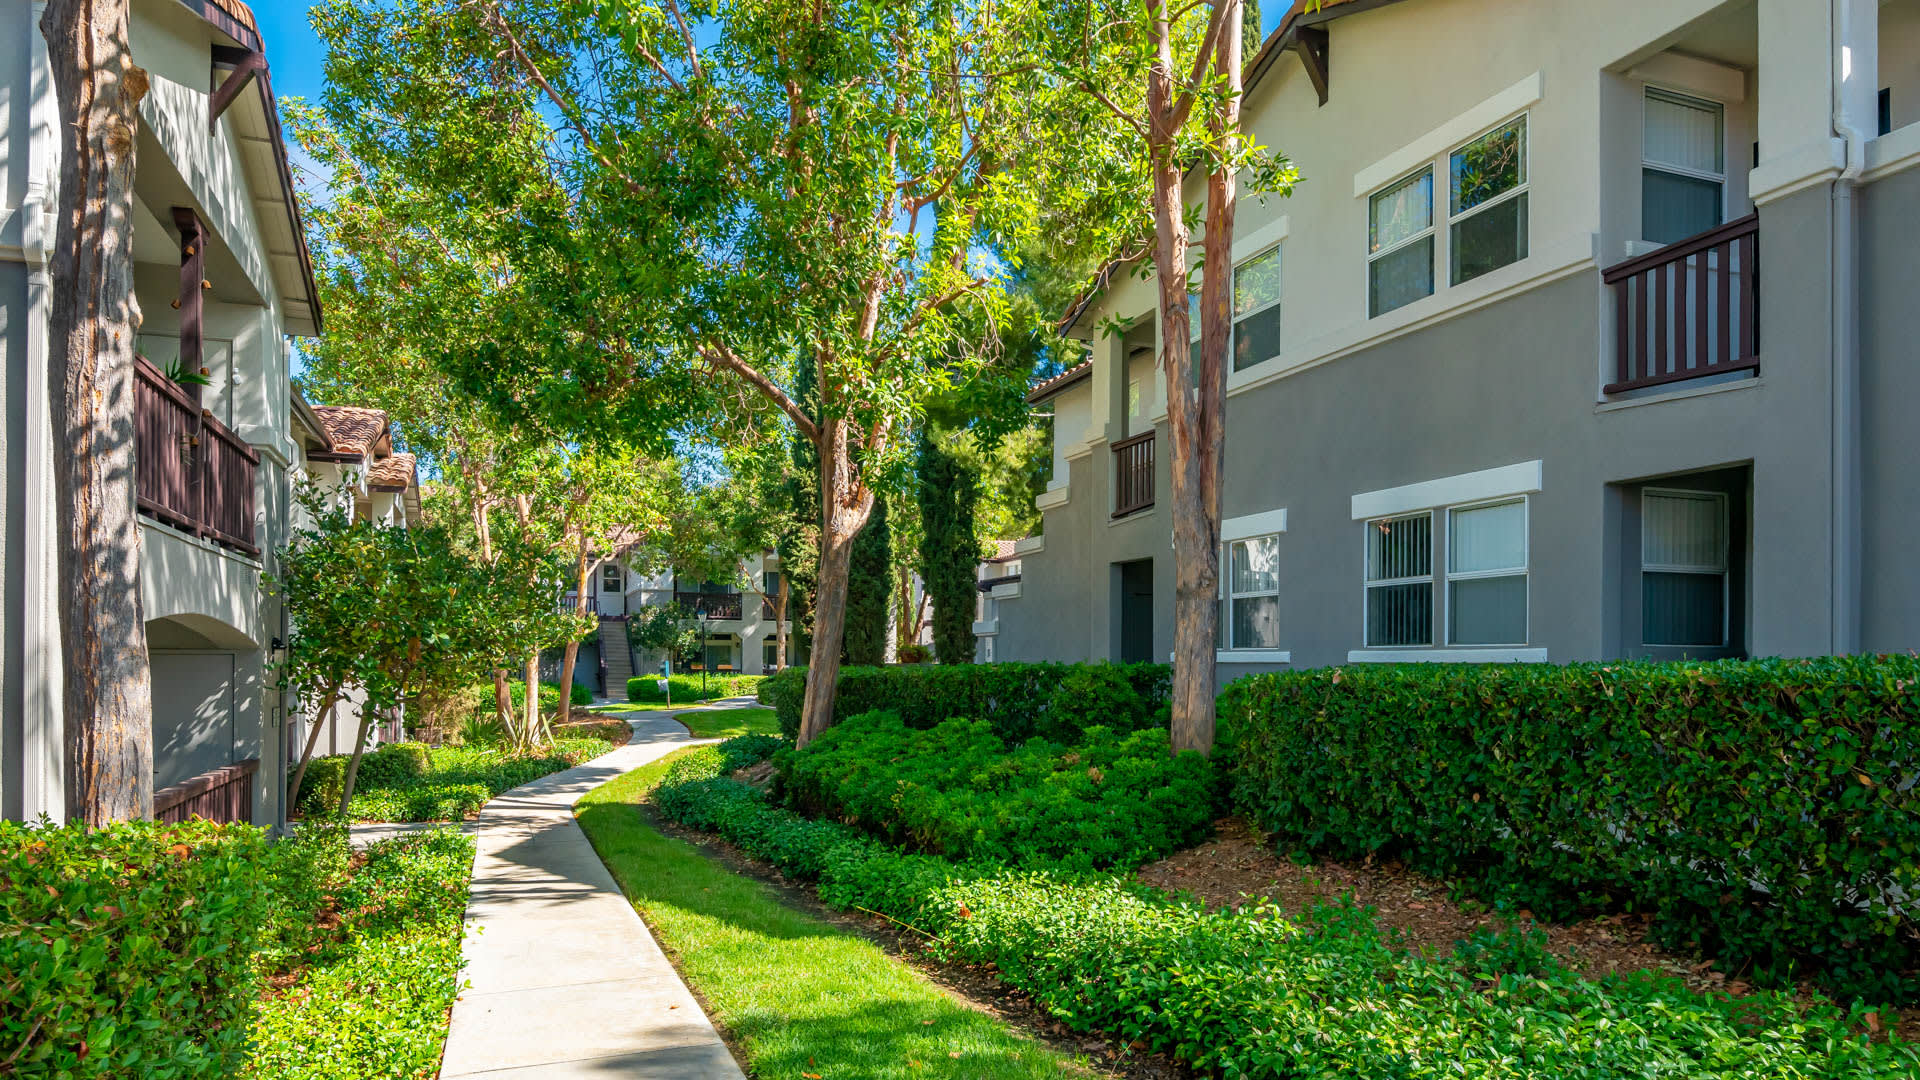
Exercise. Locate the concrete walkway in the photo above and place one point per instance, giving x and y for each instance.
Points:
(566, 981)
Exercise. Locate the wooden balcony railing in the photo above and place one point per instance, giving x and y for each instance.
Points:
(1688, 310)
(714, 605)
(1133, 474)
(191, 472)
(224, 795)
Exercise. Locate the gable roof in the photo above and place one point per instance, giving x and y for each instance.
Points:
(1060, 382)
(353, 430)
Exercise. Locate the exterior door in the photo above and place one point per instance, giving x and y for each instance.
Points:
(1135, 586)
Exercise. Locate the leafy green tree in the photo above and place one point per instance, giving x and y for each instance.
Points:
(686, 218)
(402, 612)
(870, 591)
(949, 548)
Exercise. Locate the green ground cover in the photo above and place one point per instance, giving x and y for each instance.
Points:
(1263, 992)
(367, 993)
(729, 723)
(799, 997)
(411, 782)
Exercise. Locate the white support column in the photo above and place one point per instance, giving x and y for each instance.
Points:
(1798, 146)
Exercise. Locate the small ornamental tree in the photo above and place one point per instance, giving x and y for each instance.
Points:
(398, 612)
(949, 550)
(691, 213)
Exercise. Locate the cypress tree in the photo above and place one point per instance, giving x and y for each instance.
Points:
(869, 591)
(949, 554)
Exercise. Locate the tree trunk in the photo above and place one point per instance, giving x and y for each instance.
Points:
(572, 654)
(530, 709)
(108, 693)
(353, 763)
(844, 506)
(313, 739)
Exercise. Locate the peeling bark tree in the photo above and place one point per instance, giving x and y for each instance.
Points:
(108, 706)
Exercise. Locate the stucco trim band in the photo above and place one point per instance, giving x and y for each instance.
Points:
(1895, 152)
(1520, 479)
(1448, 135)
(1252, 656)
(1239, 528)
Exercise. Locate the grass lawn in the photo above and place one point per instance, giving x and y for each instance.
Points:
(704, 721)
(798, 996)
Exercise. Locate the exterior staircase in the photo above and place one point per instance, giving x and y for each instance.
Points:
(617, 658)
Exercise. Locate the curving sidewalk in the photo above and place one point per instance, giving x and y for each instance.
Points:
(566, 981)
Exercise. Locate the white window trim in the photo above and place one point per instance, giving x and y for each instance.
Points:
(1494, 655)
(1681, 170)
(1432, 231)
(1724, 572)
(1236, 317)
(1248, 527)
(1518, 191)
(1251, 525)
(1252, 656)
(1523, 478)
(1431, 578)
(1525, 571)
(1228, 596)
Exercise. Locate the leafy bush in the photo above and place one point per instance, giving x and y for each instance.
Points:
(1255, 993)
(549, 696)
(1019, 701)
(744, 750)
(381, 969)
(687, 688)
(957, 789)
(1763, 809)
(452, 783)
(128, 950)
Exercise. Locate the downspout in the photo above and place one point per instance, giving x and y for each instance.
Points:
(1844, 586)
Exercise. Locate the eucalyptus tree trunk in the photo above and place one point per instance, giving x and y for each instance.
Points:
(107, 691)
(844, 507)
(1196, 406)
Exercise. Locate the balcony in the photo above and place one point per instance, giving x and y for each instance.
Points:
(1133, 475)
(191, 472)
(1688, 310)
(716, 606)
(224, 795)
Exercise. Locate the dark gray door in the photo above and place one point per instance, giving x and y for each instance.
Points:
(1136, 611)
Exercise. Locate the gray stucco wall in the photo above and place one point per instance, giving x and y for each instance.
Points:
(1514, 382)
(1890, 397)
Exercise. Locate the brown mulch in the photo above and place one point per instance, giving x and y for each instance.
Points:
(592, 726)
(1238, 866)
(972, 985)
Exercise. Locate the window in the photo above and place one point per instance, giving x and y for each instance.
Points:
(1683, 172)
(1400, 581)
(1886, 111)
(1488, 183)
(1253, 593)
(770, 655)
(1400, 244)
(613, 579)
(1487, 574)
(1683, 568)
(1256, 310)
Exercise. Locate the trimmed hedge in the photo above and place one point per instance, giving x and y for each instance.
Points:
(1257, 993)
(1018, 701)
(390, 765)
(687, 688)
(1762, 809)
(959, 790)
(411, 782)
(128, 951)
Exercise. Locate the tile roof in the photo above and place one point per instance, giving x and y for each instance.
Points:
(241, 13)
(394, 473)
(1003, 550)
(1060, 382)
(354, 430)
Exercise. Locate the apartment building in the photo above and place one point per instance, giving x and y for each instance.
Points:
(223, 281)
(1585, 335)
(737, 627)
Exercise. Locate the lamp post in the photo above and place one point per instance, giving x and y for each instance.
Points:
(706, 612)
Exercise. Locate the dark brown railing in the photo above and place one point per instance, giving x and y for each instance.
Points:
(1133, 474)
(1688, 310)
(713, 605)
(224, 795)
(192, 473)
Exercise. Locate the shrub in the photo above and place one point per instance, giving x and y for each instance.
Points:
(128, 950)
(1018, 700)
(393, 763)
(687, 688)
(1255, 993)
(744, 750)
(415, 783)
(320, 789)
(957, 789)
(1760, 808)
